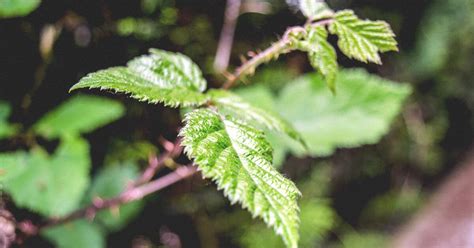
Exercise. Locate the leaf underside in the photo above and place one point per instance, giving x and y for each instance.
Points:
(360, 113)
(239, 159)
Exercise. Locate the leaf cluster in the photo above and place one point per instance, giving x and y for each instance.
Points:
(54, 185)
(230, 139)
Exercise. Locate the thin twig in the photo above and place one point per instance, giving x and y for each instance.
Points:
(129, 195)
(155, 163)
(280, 47)
(226, 39)
(248, 67)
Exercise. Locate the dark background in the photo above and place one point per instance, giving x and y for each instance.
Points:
(442, 103)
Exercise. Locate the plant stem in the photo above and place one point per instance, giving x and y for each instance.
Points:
(284, 45)
(155, 163)
(132, 194)
(226, 39)
(248, 67)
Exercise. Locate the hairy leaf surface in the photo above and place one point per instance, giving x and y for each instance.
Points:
(362, 39)
(239, 159)
(170, 78)
(80, 114)
(49, 185)
(228, 102)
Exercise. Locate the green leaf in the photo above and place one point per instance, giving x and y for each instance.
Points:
(315, 9)
(5, 111)
(170, 78)
(228, 102)
(438, 35)
(359, 114)
(362, 39)
(80, 114)
(77, 234)
(110, 182)
(259, 94)
(49, 185)
(14, 8)
(239, 159)
(6, 130)
(321, 54)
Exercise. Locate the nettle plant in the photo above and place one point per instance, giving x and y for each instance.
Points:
(224, 135)
(230, 137)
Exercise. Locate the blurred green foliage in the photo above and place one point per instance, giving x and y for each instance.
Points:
(360, 112)
(70, 119)
(428, 136)
(14, 8)
(50, 185)
(6, 129)
(77, 234)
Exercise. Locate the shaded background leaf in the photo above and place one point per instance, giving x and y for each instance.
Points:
(14, 8)
(77, 234)
(328, 121)
(80, 114)
(6, 129)
(51, 185)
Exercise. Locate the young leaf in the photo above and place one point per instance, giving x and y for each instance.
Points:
(51, 186)
(239, 159)
(362, 39)
(321, 54)
(359, 114)
(13, 8)
(170, 78)
(77, 234)
(80, 114)
(315, 9)
(228, 102)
